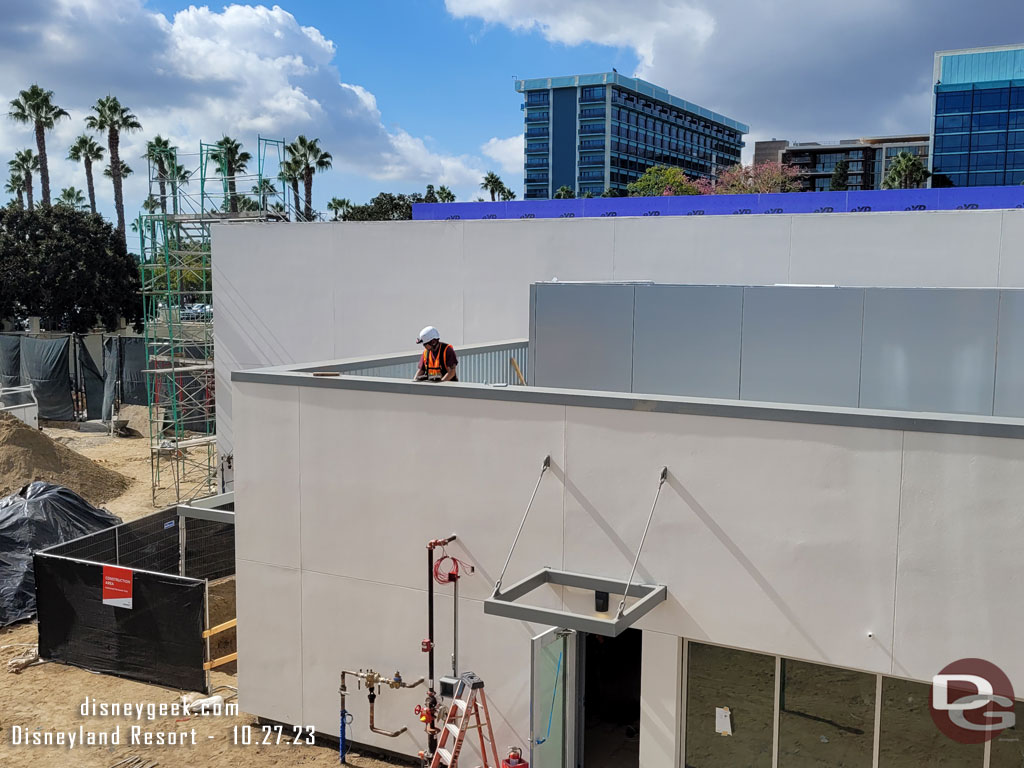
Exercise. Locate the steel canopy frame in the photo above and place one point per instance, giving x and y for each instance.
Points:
(503, 603)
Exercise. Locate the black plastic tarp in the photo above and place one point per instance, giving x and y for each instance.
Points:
(44, 365)
(124, 360)
(159, 639)
(90, 379)
(10, 361)
(41, 515)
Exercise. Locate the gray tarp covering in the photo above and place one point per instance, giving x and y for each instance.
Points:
(90, 379)
(10, 361)
(133, 355)
(124, 360)
(44, 365)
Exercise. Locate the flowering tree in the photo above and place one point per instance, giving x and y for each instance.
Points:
(661, 180)
(752, 179)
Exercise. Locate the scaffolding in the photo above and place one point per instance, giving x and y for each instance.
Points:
(187, 195)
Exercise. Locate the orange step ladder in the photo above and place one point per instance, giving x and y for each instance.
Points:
(464, 716)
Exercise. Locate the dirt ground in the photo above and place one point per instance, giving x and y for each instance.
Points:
(49, 697)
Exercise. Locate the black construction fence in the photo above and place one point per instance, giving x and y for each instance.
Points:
(133, 600)
(66, 380)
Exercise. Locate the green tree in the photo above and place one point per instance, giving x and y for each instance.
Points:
(614, 192)
(290, 174)
(753, 179)
(506, 194)
(126, 171)
(445, 195)
(73, 269)
(151, 204)
(430, 196)
(564, 193)
(16, 186)
(311, 158)
(840, 177)
(115, 119)
(264, 190)
(385, 207)
(35, 106)
(906, 171)
(492, 183)
(71, 197)
(232, 161)
(340, 206)
(86, 150)
(661, 180)
(25, 163)
(158, 152)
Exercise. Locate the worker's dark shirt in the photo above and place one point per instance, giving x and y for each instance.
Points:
(438, 362)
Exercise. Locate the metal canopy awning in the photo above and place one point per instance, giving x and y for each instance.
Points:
(504, 603)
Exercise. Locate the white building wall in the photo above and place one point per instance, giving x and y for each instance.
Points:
(287, 293)
(879, 549)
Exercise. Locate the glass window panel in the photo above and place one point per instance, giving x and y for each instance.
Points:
(988, 161)
(945, 163)
(950, 124)
(985, 179)
(1015, 139)
(908, 736)
(956, 143)
(1017, 98)
(826, 716)
(991, 98)
(989, 121)
(1016, 121)
(987, 141)
(1008, 746)
(1015, 160)
(952, 101)
(1015, 177)
(743, 682)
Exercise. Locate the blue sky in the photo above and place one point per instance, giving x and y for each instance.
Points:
(409, 92)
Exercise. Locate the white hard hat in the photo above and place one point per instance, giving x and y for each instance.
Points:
(428, 334)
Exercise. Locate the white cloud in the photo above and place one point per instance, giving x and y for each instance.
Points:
(507, 153)
(197, 76)
(639, 25)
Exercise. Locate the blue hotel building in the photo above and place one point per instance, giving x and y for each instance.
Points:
(597, 132)
(978, 117)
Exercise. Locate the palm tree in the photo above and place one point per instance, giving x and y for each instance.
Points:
(71, 198)
(340, 206)
(231, 162)
(291, 171)
(35, 105)
(506, 194)
(178, 177)
(492, 183)
(114, 119)
(151, 204)
(16, 186)
(906, 171)
(25, 162)
(158, 152)
(445, 195)
(125, 171)
(264, 190)
(564, 193)
(312, 158)
(86, 150)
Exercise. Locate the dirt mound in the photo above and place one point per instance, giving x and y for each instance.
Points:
(27, 454)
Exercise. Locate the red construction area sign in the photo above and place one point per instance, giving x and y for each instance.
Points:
(117, 586)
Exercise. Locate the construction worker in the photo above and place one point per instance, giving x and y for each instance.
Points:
(438, 362)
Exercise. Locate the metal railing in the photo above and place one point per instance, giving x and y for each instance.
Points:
(478, 364)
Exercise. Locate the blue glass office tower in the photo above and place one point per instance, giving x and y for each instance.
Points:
(978, 117)
(598, 132)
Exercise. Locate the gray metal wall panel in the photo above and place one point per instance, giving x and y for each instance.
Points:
(687, 340)
(928, 350)
(801, 345)
(584, 337)
(1009, 393)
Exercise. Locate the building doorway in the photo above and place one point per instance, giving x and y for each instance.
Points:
(609, 702)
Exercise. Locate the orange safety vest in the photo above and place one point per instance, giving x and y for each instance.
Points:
(434, 364)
